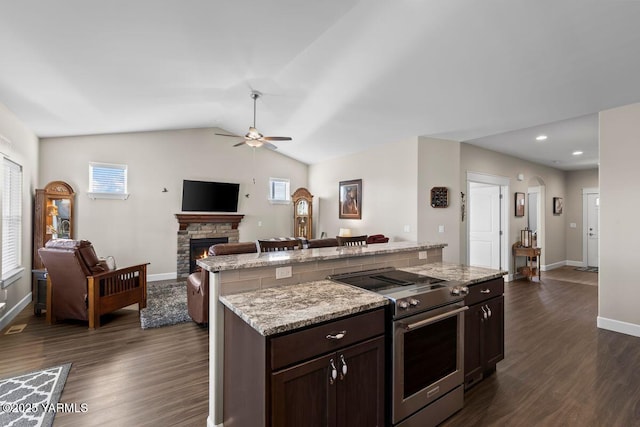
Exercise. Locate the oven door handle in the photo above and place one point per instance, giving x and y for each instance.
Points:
(421, 323)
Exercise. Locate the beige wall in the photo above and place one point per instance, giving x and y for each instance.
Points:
(619, 292)
(20, 145)
(389, 181)
(576, 181)
(439, 166)
(475, 159)
(143, 228)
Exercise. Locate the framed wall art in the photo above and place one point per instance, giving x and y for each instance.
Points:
(557, 205)
(519, 204)
(350, 199)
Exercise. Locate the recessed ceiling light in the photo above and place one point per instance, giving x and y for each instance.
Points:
(577, 153)
(541, 137)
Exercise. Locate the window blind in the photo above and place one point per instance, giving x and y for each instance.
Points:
(11, 216)
(107, 178)
(279, 190)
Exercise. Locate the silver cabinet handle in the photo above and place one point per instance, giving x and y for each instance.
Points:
(334, 372)
(344, 367)
(337, 336)
(488, 311)
(485, 291)
(484, 313)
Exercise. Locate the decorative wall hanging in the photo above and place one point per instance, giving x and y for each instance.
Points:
(462, 205)
(350, 199)
(557, 205)
(519, 204)
(439, 197)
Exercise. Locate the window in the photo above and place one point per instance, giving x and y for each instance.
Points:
(11, 222)
(279, 190)
(107, 181)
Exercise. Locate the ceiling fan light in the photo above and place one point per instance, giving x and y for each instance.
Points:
(253, 133)
(254, 143)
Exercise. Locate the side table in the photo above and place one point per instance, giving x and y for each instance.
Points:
(531, 254)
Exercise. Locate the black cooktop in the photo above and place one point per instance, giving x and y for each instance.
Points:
(384, 279)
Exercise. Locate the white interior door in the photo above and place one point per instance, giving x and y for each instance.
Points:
(484, 225)
(593, 231)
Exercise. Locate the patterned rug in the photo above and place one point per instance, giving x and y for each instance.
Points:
(31, 399)
(166, 304)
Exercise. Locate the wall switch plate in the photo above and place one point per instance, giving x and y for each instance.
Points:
(441, 229)
(259, 223)
(422, 255)
(573, 225)
(283, 272)
(407, 229)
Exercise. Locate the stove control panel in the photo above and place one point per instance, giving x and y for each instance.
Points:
(459, 291)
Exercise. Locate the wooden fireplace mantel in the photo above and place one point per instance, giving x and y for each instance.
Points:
(185, 219)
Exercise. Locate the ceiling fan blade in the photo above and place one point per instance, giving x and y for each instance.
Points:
(239, 144)
(269, 145)
(276, 138)
(227, 134)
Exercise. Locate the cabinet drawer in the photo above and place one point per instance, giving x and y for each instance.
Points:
(298, 346)
(482, 291)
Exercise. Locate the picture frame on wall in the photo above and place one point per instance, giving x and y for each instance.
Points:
(557, 205)
(520, 201)
(350, 199)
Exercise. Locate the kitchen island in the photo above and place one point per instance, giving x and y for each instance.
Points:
(244, 282)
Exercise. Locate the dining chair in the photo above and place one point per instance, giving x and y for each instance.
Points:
(278, 245)
(352, 241)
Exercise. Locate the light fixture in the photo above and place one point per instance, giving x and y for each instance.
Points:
(577, 153)
(345, 232)
(541, 137)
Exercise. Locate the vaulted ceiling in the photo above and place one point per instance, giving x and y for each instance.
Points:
(337, 75)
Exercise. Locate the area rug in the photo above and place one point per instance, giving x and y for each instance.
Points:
(166, 304)
(589, 269)
(31, 399)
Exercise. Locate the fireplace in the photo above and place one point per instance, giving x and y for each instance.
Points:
(203, 226)
(199, 248)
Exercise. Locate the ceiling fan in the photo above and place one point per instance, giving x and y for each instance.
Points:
(253, 138)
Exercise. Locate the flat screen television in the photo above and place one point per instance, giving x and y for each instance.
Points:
(206, 196)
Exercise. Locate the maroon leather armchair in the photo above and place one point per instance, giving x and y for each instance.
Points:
(81, 287)
(198, 282)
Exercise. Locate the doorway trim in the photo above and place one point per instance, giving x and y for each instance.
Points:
(585, 207)
(504, 183)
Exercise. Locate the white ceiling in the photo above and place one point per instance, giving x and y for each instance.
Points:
(337, 75)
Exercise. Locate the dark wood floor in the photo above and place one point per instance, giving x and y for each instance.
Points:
(559, 369)
(126, 375)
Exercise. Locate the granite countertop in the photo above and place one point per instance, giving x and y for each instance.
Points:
(465, 274)
(285, 308)
(236, 262)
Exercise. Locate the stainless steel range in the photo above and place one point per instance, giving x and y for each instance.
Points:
(426, 343)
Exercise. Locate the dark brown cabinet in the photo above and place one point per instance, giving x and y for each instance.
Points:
(305, 377)
(484, 330)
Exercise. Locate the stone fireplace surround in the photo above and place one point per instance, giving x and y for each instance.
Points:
(203, 226)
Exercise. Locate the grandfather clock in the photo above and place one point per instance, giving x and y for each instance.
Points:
(302, 213)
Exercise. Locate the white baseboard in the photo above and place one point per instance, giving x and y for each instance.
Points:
(619, 326)
(575, 264)
(11, 314)
(161, 276)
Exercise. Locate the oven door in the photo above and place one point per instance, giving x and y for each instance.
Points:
(428, 358)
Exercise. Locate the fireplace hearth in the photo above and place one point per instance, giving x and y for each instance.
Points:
(203, 226)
